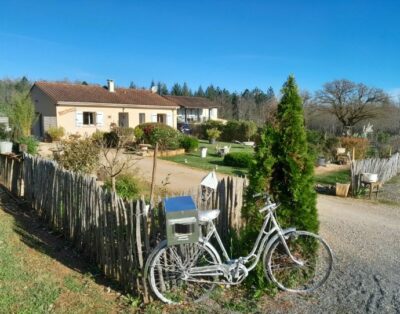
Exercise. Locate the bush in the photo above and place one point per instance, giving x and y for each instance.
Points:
(239, 130)
(138, 133)
(79, 155)
(361, 146)
(239, 159)
(213, 133)
(31, 143)
(127, 186)
(166, 136)
(56, 133)
(98, 136)
(111, 139)
(189, 143)
(201, 130)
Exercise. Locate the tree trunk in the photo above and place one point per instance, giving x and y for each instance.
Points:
(113, 185)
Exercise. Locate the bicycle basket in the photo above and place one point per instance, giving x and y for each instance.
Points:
(181, 220)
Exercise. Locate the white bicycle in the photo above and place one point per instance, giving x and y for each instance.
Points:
(296, 261)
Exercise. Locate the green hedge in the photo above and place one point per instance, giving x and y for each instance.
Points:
(189, 143)
(166, 136)
(238, 159)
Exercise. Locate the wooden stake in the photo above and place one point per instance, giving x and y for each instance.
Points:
(153, 177)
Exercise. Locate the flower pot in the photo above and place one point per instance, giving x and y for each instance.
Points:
(5, 147)
(212, 140)
(342, 189)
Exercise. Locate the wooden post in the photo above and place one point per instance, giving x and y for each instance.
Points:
(153, 176)
(353, 157)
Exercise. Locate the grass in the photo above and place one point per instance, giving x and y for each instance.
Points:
(33, 278)
(331, 178)
(212, 161)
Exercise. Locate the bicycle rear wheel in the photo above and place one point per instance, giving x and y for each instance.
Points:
(306, 247)
(169, 268)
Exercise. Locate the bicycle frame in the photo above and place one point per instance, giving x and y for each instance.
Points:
(261, 243)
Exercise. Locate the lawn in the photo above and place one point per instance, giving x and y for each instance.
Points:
(331, 178)
(212, 161)
(34, 277)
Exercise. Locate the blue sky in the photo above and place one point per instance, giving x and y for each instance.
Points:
(232, 44)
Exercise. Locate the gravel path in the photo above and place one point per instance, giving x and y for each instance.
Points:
(365, 238)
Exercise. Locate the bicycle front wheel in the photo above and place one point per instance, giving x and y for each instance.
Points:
(169, 269)
(309, 249)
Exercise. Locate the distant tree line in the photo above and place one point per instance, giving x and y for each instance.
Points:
(339, 106)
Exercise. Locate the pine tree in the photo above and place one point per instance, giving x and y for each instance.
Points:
(163, 89)
(270, 93)
(176, 90)
(186, 90)
(235, 107)
(152, 83)
(200, 92)
(132, 85)
(292, 180)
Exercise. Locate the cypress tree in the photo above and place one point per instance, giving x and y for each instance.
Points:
(293, 173)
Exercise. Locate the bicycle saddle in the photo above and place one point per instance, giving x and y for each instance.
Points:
(208, 215)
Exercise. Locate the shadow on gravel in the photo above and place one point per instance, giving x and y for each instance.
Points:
(35, 234)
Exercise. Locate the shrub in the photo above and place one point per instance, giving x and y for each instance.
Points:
(127, 186)
(31, 143)
(111, 139)
(238, 159)
(189, 143)
(56, 133)
(166, 136)
(361, 146)
(79, 155)
(98, 136)
(138, 133)
(213, 133)
(201, 130)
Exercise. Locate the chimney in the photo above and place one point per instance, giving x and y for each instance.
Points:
(110, 86)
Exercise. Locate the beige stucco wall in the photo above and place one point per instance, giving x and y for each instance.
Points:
(46, 107)
(66, 117)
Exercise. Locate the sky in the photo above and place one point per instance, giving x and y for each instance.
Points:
(231, 44)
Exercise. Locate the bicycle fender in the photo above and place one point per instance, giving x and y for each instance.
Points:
(276, 237)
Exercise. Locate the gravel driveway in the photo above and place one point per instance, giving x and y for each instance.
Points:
(365, 238)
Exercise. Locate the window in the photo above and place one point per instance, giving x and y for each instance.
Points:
(142, 118)
(89, 118)
(162, 118)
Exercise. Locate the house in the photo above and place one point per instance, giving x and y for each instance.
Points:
(194, 109)
(83, 109)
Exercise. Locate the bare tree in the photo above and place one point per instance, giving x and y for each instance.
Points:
(112, 158)
(350, 102)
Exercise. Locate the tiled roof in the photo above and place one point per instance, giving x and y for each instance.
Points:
(97, 94)
(191, 102)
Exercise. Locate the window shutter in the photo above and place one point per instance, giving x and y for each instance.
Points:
(154, 118)
(169, 119)
(99, 119)
(79, 118)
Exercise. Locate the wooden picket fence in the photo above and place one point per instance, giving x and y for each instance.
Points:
(115, 235)
(386, 168)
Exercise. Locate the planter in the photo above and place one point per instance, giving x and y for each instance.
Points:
(340, 151)
(342, 189)
(212, 140)
(321, 162)
(203, 152)
(369, 177)
(6, 147)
